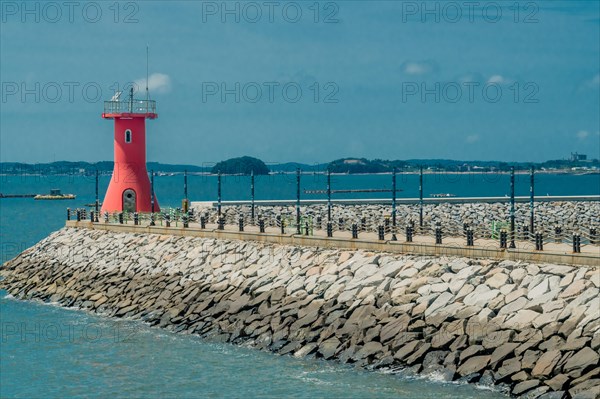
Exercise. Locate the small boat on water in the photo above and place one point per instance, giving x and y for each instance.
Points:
(55, 194)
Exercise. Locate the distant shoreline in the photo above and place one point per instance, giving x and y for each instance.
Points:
(307, 172)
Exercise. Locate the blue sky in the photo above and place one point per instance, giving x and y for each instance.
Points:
(378, 79)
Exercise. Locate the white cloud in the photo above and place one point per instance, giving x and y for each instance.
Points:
(582, 134)
(499, 79)
(473, 138)
(594, 82)
(419, 67)
(157, 83)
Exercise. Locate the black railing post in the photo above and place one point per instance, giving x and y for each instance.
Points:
(298, 201)
(593, 236)
(185, 185)
(421, 198)
(241, 223)
(252, 196)
(306, 228)
(354, 230)
(185, 220)
(381, 233)
(221, 223)
(68, 213)
(219, 194)
(438, 233)
(152, 199)
(96, 203)
(512, 207)
(185, 203)
(78, 215)
(319, 223)
(92, 216)
(341, 224)
(557, 234)
(120, 217)
(328, 195)
(261, 225)
(202, 222)
(329, 229)
(576, 243)
(168, 220)
(136, 218)
(409, 233)
(394, 238)
(152, 191)
(531, 200)
(503, 239)
(470, 240)
(539, 242)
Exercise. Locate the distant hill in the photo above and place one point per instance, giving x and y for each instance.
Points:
(292, 166)
(344, 165)
(241, 166)
(362, 165)
(80, 167)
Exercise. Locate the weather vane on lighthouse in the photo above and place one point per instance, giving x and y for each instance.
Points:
(129, 189)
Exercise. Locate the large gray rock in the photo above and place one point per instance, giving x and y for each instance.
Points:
(473, 365)
(503, 351)
(508, 368)
(481, 296)
(583, 359)
(546, 363)
(328, 347)
(442, 300)
(524, 386)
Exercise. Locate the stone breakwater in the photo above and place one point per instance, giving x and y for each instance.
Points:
(531, 330)
(571, 216)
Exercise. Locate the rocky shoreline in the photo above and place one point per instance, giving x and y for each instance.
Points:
(572, 217)
(531, 330)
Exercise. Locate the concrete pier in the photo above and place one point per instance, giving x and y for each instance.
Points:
(529, 329)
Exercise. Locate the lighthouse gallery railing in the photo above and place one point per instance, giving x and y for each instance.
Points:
(134, 107)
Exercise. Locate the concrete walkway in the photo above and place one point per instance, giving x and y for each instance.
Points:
(421, 245)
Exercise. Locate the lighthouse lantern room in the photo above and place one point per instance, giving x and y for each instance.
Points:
(129, 189)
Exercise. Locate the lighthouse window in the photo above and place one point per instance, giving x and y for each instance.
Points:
(128, 136)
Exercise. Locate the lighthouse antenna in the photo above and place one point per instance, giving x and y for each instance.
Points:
(131, 99)
(147, 68)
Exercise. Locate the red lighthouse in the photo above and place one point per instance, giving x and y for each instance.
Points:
(129, 188)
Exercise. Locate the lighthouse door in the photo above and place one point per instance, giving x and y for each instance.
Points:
(129, 200)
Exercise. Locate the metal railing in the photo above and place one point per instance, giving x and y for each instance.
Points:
(311, 224)
(132, 106)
